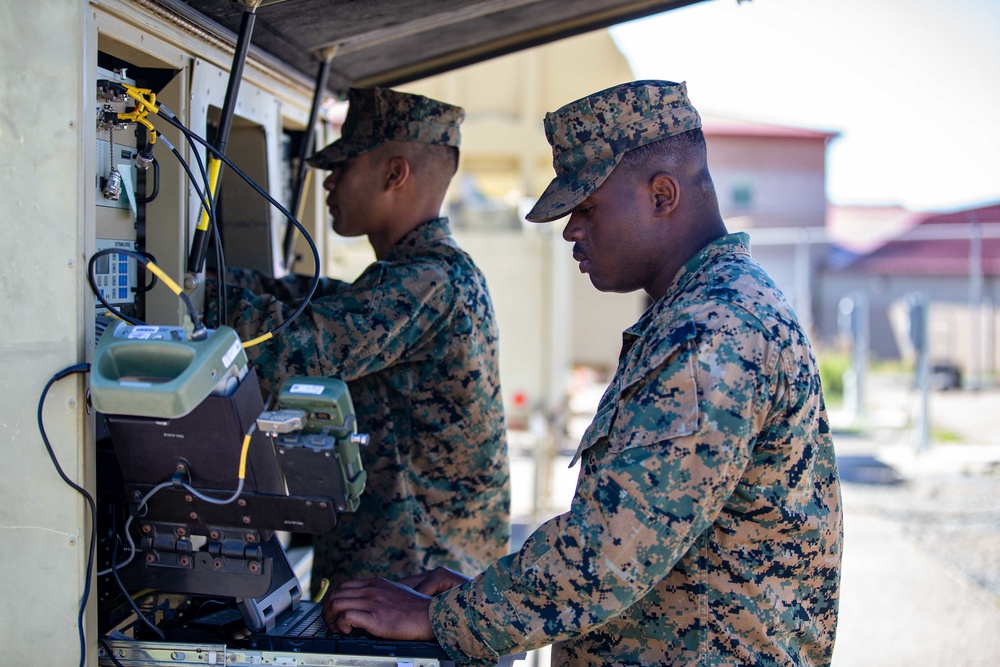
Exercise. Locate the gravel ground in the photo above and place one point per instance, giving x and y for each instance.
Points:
(953, 517)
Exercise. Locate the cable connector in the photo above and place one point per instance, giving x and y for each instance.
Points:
(110, 90)
(111, 187)
(143, 158)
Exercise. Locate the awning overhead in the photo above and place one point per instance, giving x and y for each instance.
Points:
(389, 42)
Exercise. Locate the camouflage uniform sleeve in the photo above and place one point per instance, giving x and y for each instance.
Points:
(362, 328)
(664, 453)
(287, 289)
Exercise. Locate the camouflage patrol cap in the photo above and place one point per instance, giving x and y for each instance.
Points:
(589, 137)
(378, 115)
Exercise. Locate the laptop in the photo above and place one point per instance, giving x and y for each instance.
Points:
(281, 621)
(303, 630)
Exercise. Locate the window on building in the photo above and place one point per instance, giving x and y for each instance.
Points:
(742, 196)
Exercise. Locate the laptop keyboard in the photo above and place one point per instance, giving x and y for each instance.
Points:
(311, 625)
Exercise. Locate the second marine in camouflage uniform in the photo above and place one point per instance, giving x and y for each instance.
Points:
(416, 340)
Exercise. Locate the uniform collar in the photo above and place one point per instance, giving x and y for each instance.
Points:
(738, 243)
(432, 231)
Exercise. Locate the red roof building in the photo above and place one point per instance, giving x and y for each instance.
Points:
(888, 254)
(936, 244)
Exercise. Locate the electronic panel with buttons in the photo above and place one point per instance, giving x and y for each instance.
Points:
(115, 275)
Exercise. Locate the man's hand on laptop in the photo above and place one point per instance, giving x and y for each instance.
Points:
(381, 607)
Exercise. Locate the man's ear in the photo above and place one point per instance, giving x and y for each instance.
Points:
(666, 193)
(397, 172)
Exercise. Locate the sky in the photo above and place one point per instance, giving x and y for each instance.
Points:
(912, 87)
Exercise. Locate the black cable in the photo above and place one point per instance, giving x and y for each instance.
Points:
(312, 246)
(97, 290)
(204, 603)
(156, 185)
(78, 368)
(110, 653)
(208, 201)
(139, 257)
(190, 175)
(128, 597)
(143, 505)
(152, 276)
(205, 197)
(143, 510)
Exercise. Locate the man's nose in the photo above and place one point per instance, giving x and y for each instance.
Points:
(573, 231)
(330, 182)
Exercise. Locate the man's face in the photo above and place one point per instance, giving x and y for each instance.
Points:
(610, 232)
(352, 187)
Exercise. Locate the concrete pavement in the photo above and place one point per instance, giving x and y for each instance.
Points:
(901, 606)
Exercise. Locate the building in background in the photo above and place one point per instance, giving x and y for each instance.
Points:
(771, 182)
(951, 259)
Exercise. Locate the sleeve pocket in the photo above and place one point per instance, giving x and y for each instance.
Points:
(659, 398)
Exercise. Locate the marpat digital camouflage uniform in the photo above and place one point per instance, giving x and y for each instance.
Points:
(415, 338)
(706, 527)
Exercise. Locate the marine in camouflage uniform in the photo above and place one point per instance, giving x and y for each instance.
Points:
(416, 340)
(706, 528)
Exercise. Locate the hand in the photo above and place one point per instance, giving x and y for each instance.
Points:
(435, 581)
(381, 607)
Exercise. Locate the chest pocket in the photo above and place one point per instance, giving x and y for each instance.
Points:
(659, 392)
(598, 429)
